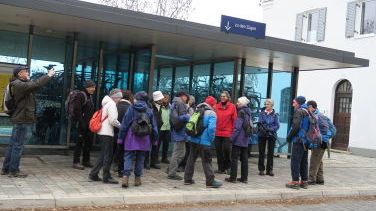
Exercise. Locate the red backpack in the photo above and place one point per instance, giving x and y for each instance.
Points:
(96, 121)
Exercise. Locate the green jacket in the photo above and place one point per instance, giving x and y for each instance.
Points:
(25, 102)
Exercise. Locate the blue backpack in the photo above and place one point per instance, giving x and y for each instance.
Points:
(332, 127)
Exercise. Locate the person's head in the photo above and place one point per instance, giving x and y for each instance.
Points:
(21, 72)
(225, 96)
(127, 95)
(312, 105)
(242, 101)
(183, 95)
(141, 96)
(298, 101)
(211, 101)
(158, 97)
(192, 100)
(269, 104)
(116, 95)
(166, 99)
(89, 86)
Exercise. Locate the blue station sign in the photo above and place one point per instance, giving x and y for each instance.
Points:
(243, 27)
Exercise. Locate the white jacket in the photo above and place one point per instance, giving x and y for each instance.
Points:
(110, 110)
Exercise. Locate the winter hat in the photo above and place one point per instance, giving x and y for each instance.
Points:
(116, 93)
(211, 101)
(157, 96)
(141, 96)
(243, 100)
(18, 70)
(89, 83)
(300, 99)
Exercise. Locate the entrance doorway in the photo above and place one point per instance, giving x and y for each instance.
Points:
(342, 115)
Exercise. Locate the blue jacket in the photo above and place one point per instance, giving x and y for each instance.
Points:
(300, 124)
(182, 108)
(239, 137)
(210, 123)
(269, 121)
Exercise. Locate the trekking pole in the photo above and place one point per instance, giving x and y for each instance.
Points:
(329, 145)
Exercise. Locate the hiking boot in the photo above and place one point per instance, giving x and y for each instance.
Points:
(4, 171)
(78, 166)
(18, 174)
(310, 182)
(230, 179)
(304, 184)
(270, 173)
(189, 182)
(120, 174)
(155, 166)
(95, 178)
(110, 181)
(125, 182)
(261, 173)
(165, 161)
(180, 169)
(219, 172)
(214, 184)
(137, 181)
(175, 177)
(293, 185)
(320, 182)
(88, 164)
(242, 180)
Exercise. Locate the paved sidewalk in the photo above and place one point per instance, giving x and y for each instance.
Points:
(53, 183)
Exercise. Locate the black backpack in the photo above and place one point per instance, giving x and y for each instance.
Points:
(175, 122)
(141, 125)
(69, 103)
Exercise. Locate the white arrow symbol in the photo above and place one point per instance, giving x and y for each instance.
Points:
(228, 26)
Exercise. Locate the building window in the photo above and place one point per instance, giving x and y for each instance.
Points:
(361, 18)
(310, 26)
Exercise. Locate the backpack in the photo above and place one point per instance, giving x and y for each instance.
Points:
(313, 134)
(96, 121)
(247, 124)
(332, 128)
(174, 119)
(141, 125)
(8, 104)
(195, 126)
(69, 105)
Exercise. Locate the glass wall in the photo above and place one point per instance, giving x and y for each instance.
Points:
(141, 71)
(182, 78)
(281, 94)
(13, 47)
(223, 78)
(200, 82)
(165, 80)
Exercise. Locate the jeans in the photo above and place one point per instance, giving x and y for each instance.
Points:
(164, 138)
(105, 157)
(242, 153)
(21, 134)
(177, 156)
(262, 146)
(316, 171)
(119, 157)
(299, 162)
(84, 143)
(206, 160)
(223, 146)
(139, 165)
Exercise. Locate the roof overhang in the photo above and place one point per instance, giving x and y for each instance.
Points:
(171, 37)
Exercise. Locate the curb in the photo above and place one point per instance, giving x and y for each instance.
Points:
(110, 199)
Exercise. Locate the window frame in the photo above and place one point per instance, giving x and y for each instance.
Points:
(306, 26)
(359, 20)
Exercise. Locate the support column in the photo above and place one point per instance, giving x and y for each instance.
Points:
(294, 91)
(242, 78)
(131, 69)
(211, 78)
(151, 71)
(237, 66)
(30, 45)
(100, 71)
(173, 80)
(190, 79)
(270, 80)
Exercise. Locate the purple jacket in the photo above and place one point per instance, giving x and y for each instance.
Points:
(239, 137)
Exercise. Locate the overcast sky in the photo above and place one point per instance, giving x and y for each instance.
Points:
(210, 11)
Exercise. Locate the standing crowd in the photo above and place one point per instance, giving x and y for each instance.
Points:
(132, 130)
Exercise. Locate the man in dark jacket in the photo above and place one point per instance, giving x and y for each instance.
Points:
(83, 109)
(22, 118)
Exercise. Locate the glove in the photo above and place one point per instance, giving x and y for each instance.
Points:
(324, 145)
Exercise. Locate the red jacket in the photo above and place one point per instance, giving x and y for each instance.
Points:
(226, 117)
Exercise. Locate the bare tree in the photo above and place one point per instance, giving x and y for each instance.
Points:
(180, 9)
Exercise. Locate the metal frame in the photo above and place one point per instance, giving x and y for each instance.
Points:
(294, 91)
(242, 77)
(270, 80)
(151, 69)
(211, 77)
(237, 65)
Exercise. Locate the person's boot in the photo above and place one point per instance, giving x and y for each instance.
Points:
(137, 181)
(189, 182)
(165, 161)
(78, 166)
(110, 181)
(270, 173)
(18, 174)
(155, 166)
(4, 171)
(214, 184)
(175, 177)
(293, 185)
(230, 179)
(87, 164)
(310, 182)
(261, 173)
(320, 182)
(125, 182)
(304, 184)
(245, 181)
(95, 178)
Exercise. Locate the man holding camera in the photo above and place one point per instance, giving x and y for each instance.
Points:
(23, 117)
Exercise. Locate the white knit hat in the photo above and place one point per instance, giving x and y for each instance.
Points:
(243, 100)
(157, 96)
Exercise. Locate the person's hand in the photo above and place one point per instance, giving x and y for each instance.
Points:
(51, 72)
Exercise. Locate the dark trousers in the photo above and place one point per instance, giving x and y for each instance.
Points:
(183, 163)
(223, 146)
(84, 143)
(299, 162)
(151, 157)
(263, 141)
(242, 153)
(206, 159)
(105, 157)
(119, 157)
(164, 139)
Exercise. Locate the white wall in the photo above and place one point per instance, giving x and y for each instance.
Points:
(280, 18)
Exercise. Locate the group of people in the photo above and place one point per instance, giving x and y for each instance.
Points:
(133, 128)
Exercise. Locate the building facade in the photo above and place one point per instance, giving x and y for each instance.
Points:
(343, 94)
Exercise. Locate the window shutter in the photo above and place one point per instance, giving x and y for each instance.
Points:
(321, 25)
(299, 27)
(350, 18)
